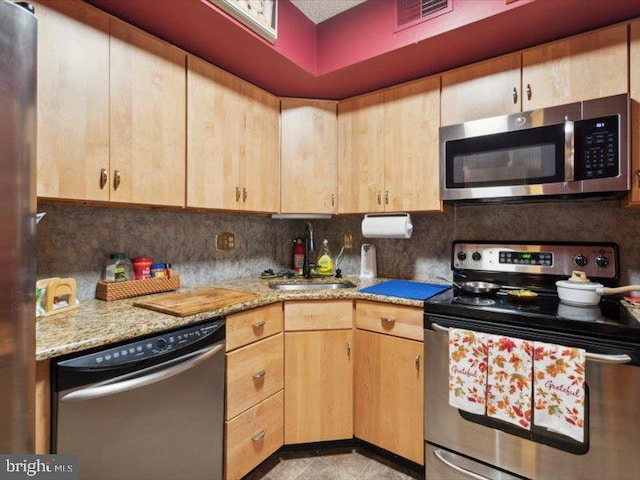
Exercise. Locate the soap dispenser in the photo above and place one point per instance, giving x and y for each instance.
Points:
(325, 261)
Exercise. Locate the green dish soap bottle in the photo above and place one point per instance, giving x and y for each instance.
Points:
(325, 262)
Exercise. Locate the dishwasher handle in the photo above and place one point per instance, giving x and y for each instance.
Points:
(620, 358)
(131, 384)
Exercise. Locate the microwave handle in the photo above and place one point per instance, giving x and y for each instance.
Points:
(569, 145)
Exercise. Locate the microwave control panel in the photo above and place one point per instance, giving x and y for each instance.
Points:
(596, 148)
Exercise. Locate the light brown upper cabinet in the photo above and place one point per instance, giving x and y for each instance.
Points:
(308, 156)
(148, 111)
(232, 142)
(361, 154)
(481, 90)
(634, 89)
(388, 150)
(583, 67)
(73, 101)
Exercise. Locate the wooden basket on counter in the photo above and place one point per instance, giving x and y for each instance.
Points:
(134, 288)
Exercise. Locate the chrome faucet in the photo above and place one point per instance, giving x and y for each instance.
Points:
(308, 250)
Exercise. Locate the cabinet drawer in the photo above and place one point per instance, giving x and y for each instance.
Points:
(247, 327)
(315, 315)
(254, 373)
(397, 320)
(253, 436)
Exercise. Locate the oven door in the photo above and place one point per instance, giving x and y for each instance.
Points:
(613, 387)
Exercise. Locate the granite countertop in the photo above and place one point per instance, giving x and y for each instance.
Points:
(97, 323)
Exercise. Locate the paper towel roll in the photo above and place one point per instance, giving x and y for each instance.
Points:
(387, 226)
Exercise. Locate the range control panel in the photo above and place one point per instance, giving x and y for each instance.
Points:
(143, 349)
(596, 260)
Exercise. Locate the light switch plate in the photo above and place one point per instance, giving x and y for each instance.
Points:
(225, 242)
(347, 241)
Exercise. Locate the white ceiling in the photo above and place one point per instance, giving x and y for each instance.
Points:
(320, 10)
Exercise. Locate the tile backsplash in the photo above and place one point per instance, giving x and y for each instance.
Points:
(75, 241)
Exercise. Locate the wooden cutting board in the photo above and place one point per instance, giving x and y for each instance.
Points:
(190, 303)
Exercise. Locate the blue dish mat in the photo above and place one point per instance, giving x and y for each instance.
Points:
(406, 289)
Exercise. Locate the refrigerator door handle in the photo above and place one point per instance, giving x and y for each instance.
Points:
(138, 382)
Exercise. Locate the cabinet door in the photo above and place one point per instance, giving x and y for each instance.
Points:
(260, 151)
(318, 386)
(389, 393)
(411, 146)
(148, 84)
(308, 158)
(481, 90)
(214, 119)
(361, 154)
(579, 68)
(634, 198)
(73, 100)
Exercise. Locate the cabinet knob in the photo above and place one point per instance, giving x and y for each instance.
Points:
(418, 362)
(258, 325)
(237, 194)
(528, 92)
(259, 374)
(104, 178)
(388, 321)
(379, 198)
(258, 437)
(386, 197)
(515, 95)
(244, 194)
(116, 179)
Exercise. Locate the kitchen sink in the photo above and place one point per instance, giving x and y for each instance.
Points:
(310, 285)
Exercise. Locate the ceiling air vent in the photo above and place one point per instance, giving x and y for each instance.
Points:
(409, 12)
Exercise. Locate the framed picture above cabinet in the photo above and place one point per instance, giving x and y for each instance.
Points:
(259, 15)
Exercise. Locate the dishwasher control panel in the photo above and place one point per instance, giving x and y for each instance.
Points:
(147, 348)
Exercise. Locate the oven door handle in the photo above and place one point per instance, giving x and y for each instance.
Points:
(103, 390)
(438, 453)
(592, 357)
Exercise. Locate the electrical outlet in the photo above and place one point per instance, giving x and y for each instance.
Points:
(225, 242)
(347, 241)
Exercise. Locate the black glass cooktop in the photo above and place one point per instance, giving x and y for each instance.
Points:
(608, 319)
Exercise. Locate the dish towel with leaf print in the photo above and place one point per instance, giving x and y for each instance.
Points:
(467, 370)
(559, 389)
(509, 382)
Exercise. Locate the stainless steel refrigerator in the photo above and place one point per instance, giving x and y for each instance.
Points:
(17, 227)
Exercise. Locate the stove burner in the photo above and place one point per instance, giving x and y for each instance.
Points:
(474, 301)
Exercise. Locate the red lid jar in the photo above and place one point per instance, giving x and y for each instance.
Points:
(142, 267)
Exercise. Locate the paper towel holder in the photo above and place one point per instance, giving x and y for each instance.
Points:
(400, 215)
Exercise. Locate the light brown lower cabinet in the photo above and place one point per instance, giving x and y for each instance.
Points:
(43, 407)
(253, 436)
(389, 393)
(318, 386)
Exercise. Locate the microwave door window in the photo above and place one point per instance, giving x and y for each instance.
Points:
(516, 158)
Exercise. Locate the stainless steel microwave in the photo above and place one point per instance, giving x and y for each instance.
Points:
(574, 149)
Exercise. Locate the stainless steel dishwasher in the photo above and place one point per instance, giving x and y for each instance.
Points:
(152, 408)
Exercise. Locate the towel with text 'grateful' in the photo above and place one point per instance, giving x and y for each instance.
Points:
(510, 365)
(467, 370)
(558, 389)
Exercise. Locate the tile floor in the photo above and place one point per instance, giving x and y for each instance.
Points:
(337, 463)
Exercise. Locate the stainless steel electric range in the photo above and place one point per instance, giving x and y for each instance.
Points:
(459, 444)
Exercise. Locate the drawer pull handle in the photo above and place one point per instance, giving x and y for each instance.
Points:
(349, 349)
(388, 321)
(379, 198)
(515, 95)
(116, 179)
(244, 194)
(259, 374)
(418, 362)
(258, 325)
(528, 92)
(258, 437)
(237, 194)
